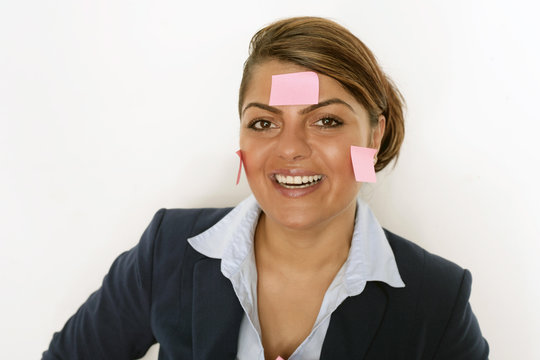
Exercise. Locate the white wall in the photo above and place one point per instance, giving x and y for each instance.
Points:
(110, 110)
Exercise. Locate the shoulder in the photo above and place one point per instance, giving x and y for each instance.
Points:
(436, 296)
(188, 222)
(417, 265)
(164, 242)
(433, 285)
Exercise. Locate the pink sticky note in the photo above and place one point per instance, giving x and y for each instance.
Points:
(279, 358)
(239, 153)
(362, 162)
(294, 89)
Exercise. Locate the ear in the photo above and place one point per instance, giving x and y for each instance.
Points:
(377, 133)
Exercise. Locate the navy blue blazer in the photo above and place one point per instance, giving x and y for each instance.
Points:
(164, 291)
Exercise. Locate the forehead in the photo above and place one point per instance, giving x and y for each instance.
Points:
(260, 84)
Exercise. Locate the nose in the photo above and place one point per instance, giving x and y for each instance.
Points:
(293, 144)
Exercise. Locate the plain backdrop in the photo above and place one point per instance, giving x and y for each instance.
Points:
(110, 110)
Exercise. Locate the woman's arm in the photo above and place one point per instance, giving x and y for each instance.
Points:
(462, 338)
(114, 323)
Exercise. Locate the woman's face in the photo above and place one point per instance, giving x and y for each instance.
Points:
(302, 143)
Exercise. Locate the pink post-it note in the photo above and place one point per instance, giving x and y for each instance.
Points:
(239, 153)
(294, 89)
(362, 162)
(279, 358)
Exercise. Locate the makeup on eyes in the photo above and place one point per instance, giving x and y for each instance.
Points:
(261, 124)
(267, 125)
(337, 122)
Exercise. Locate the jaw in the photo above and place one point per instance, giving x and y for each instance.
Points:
(307, 220)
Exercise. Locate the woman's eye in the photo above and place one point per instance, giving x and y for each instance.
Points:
(262, 125)
(328, 122)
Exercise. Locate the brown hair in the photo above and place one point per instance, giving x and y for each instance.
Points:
(328, 48)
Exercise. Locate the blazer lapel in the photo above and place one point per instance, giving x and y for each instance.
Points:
(354, 323)
(217, 313)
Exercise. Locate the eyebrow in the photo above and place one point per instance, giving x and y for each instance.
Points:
(304, 111)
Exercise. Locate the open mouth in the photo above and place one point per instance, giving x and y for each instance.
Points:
(297, 182)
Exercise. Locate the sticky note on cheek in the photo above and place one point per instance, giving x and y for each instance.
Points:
(239, 153)
(363, 165)
(301, 88)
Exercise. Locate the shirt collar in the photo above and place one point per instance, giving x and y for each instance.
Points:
(370, 256)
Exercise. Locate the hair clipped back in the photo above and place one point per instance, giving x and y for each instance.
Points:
(328, 48)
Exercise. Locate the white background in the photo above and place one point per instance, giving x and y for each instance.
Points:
(110, 110)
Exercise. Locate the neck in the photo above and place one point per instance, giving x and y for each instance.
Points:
(308, 250)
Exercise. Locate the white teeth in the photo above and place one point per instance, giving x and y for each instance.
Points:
(297, 181)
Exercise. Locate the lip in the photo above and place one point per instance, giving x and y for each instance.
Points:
(295, 193)
(294, 172)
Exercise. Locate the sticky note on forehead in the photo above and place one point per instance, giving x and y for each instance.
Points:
(301, 88)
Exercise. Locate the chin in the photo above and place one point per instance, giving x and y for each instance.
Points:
(297, 220)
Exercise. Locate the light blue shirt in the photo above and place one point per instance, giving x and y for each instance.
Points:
(231, 240)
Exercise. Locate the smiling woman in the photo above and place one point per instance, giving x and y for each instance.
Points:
(299, 140)
(301, 269)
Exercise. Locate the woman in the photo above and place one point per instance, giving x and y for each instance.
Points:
(302, 269)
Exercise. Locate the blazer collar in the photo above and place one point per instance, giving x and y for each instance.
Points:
(217, 313)
(354, 323)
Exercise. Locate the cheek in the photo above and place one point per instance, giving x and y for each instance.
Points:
(336, 155)
(254, 153)
(333, 152)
